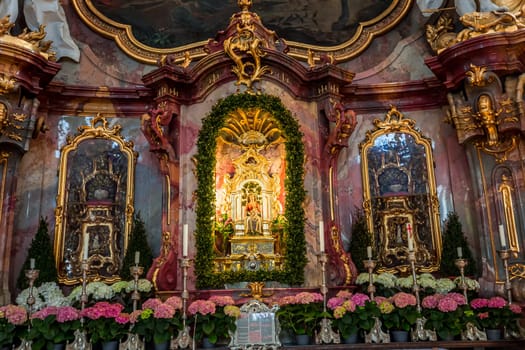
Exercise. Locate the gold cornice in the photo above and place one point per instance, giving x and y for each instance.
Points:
(123, 36)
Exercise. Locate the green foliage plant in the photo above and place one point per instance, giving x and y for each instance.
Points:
(292, 271)
(42, 251)
(453, 237)
(361, 239)
(138, 242)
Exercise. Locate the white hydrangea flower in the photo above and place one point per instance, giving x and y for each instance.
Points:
(405, 282)
(120, 285)
(444, 285)
(75, 294)
(387, 280)
(145, 285)
(100, 291)
(427, 282)
(363, 278)
(471, 284)
(425, 276)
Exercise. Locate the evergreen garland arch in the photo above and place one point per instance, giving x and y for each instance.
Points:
(292, 271)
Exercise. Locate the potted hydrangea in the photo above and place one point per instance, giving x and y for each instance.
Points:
(352, 313)
(105, 322)
(398, 314)
(300, 313)
(13, 318)
(495, 314)
(445, 313)
(213, 318)
(53, 325)
(158, 320)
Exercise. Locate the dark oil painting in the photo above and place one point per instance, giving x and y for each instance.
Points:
(174, 23)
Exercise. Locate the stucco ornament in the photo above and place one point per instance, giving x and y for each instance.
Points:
(51, 14)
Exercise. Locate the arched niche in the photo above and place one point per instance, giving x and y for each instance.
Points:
(94, 210)
(399, 193)
(250, 149)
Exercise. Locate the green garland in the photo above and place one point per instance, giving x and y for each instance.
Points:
(292, 271)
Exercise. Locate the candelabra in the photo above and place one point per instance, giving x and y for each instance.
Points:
(504, 254)
(133, 341)
(461, 264)
(415, 285)
(80, 342)
(183, 339)
(370, 265)
(326, 334)
(31, 275)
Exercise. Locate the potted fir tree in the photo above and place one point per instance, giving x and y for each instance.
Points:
(453, 238)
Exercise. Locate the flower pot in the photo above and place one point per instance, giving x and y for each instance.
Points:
(399, 336)
(351, 339)
(448, 337)
(110, 345)
(161, 346)
(493, 334)
(302, 339)
(206, 344)
(286, 337)
(60, 346)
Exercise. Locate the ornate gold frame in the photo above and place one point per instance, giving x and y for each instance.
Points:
(394, 122)
(123, 36)
(97, 130)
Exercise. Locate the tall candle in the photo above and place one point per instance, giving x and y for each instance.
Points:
(321, 236)
(85, 246)
(137, 257)
(32, 263)
(460, 252)
(369, 252)
(410, 237)
(185, 240)
(502, 238)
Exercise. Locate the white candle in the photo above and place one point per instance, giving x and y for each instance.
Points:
(502, 238)
(410, 237)
(460, 252)
(321, 236)
(32, 263)
(185, 240)
(137, 257)
(85, 246)
(369, 252)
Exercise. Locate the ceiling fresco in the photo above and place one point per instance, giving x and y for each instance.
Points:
(146, 29)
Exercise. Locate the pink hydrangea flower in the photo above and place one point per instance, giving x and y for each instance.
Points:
(483, 315)
(497, 302)
(430, 301)
(307, 298)
(123, 318)
(151, 303)
(164, 311)
(344, 294)
(14, 314)
(67, 313)
(203, 307)
(515, 308)
(349, 305)
(334, 302)
(220, 300)
(402, 300)
(447, 304)
(175, 302)
(360, 299)
(286, 300)
(458, 298)
(479, 303)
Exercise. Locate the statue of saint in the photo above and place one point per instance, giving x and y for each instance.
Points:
(487, 116)
(253, 218)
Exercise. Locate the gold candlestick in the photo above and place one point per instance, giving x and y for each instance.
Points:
(326, 334)
(370, 265)
(183, 339)
(461, 264)
(81, 342)
(504, 254)
(133, 341)
(415, 285)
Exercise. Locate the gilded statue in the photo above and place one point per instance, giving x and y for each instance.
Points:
(487, 116)
(253, 219)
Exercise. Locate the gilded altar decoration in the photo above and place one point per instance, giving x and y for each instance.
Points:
(29, 40)
(94, 202)
(488, 116)
(248, 200)
(244, 43)
(400, 194)
(442, 34)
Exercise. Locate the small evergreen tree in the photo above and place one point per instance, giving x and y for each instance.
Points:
(453, 237)
(138, 242)
(361, 239)
(42, 251)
